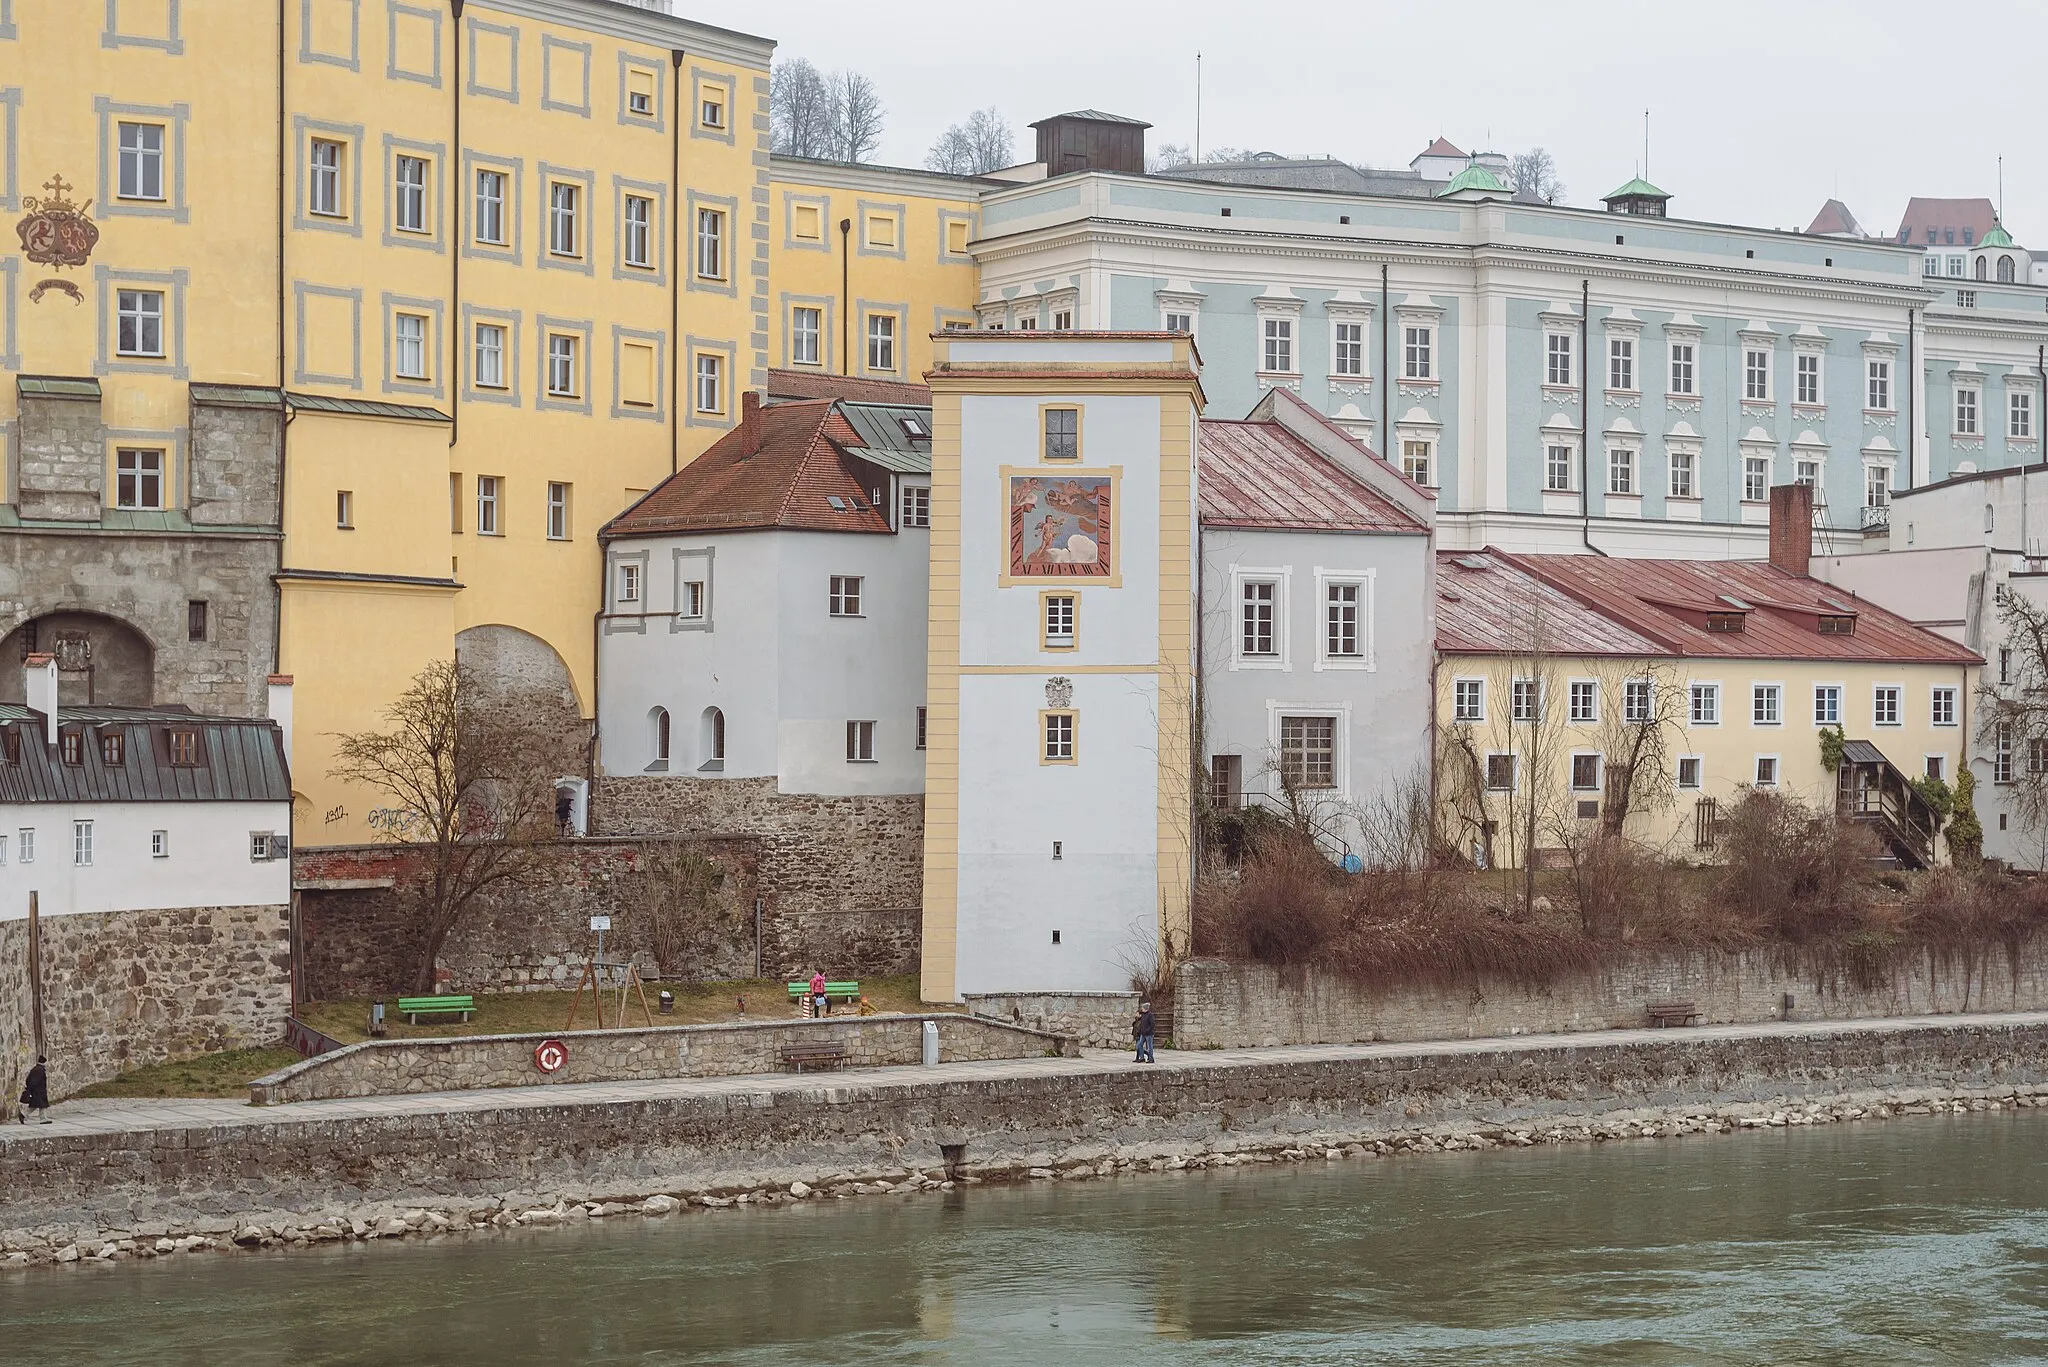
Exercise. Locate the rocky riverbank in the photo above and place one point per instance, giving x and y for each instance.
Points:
(255, 1230)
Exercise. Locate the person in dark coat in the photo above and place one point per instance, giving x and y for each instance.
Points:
(36, 1095)
(1142, 1030)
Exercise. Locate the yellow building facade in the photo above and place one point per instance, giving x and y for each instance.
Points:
(494, 267)
(867, 262)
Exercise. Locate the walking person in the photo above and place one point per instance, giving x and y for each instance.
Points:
(36, 1095)
(1142, 1030)
(819, 1006)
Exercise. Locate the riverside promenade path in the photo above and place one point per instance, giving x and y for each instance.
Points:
(117, 1117)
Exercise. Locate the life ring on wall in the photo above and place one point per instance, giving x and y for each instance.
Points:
(550, 1054)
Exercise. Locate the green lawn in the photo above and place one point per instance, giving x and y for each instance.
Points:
(209, 1075)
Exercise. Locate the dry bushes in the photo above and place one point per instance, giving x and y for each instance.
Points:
(1803, 875)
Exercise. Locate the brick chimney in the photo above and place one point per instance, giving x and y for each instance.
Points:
(39, 690)
(1792, 528)
(750, 423)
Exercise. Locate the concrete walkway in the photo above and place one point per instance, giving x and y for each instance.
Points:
(126, 1117)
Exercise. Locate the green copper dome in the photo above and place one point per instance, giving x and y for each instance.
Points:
(1637, 188)
(1997, 237)
(1474, 177)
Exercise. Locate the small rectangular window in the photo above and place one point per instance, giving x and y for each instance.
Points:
(1764, 704)
(71, 746)
(1583, 697)
(1062, 433)
(25, 845)
(1468, 700)
(1060, 612)
(917, 505)
(409, 194)
(1936, 766)
(182, 744)
(159, 844)
(409, 346)
(81, 843)
(1766, 771)
(804, 332)
(139, 329)
(710, 244)
(1966, 412)
(489, 489)
(1059, 738)
(1683, 371)
(629, 584)
(1417, 347)
(260, 847)
(921, 719)
(138, 478)
(1884, 705)
(1806, 379)
(565, 206)
(2019, 423)
(1827, 705)
(489, 360)
(710, 383)
(1348, 350)
(860, 742)
(1279, 345)
(882, 341)
(844, 597)
(640, 93)
(1557, 468)
(1525, 700)
(490, 208)
(1621, 363)
(1756, 479)
(1180, 322)
(1308, 752)
(1500, 773)
(1942, 711)
(1878, 395)
(1706, 704)
(323, 186)
(1684, 474)
(563, 380)
(344, 510)
(1417, 456)
(142, 161)
(195, 620)
(1341, 635)
(558, 511)
(1557, 369)
(711, 110)
(639, 225)
(1585, 773)
(1258, 620)
(1756, 375)
(1689, 771)
(1621, 470)
(691, 604)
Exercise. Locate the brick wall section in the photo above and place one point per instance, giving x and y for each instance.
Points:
(122, 990)
(1219, 1005)
(842, 878)
(363, 943)
(391, 1067)
(835, 1130)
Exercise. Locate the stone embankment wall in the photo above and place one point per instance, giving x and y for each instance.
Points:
(122, 990)
(1077, 1117)
(841, 878)
(459, 1063)
(1220, 1005)
(1101, 1020)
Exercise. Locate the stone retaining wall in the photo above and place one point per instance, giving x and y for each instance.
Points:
(1219, 1005)
(1100, 1020)
(1077, 1118)
(462, 1062)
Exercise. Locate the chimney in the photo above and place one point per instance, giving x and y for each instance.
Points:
(280, 703)
(1792, 528)
(750, 423)
(39, 689)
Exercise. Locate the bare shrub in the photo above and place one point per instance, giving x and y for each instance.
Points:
(1805, 875)
(680, 901)
(1280, 908)
(1615, 884)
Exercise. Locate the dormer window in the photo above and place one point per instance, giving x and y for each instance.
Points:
(182, 743)
(10, 744)
(71, 746)
(1837, 624)
(1725, 623)
(914, 428)
(110, 748)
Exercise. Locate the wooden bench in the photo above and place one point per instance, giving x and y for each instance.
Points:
(412, 1008)
(822, 1054)
(834, 992)
(1666, 1014)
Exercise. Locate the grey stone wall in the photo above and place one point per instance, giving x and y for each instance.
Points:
(457, 1063)
(1220, 1005)
(1099, 1019)
(1075, 1119)
(61, 472)
(231, 483)
(122, 990)
(842, 878)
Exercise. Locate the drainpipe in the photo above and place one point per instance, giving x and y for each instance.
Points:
(283, 409)
(2041, 371)
(676, 265)
(1912, 409)
(1386, 369)
(1586, 415)
(453, 171)
(845, 296)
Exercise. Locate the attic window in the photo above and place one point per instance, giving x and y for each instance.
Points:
(1726, 623)
(838, 503)
(72, 746)
(10, 744)
(1472, 562)
(1836, 624)
(183, 744)
(914, 428)
(110, 747)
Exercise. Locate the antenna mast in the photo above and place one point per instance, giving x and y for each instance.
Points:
(1646, 144)
(1198, 106)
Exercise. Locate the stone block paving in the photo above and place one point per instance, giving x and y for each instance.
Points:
(109, 1117)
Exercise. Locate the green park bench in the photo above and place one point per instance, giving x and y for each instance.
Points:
(834, 992)
(412, 1008)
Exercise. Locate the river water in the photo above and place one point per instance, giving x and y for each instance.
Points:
(1915, 1241)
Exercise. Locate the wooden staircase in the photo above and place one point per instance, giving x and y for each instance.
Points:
(1870, 790)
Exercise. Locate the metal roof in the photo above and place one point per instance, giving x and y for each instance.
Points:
(1094, 116)
(902, 462)
(58, 386)
(1862, 752)
(367, 408)
(238, 395)
(241, 759)
(1258, 474)
(1489, 605)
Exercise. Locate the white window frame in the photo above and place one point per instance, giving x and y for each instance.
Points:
(626, 583)
(565, 214)
(806, 343)
(139, 474)
(637, 219)
(1756, 477)
(1559, 359)
(1459, 693)
(1550, 467)
(81, 843)
(490, 512)
(408, 195)
(860, 742)
(1767, 704)
(1622, 471)
(844, 595)
(711, 254)
(1877, 384)
(1756, 772)
(1586, 691)
(1328, 584)
(558, 511)
(1685, 481)
(2019, 414)
(409, 346)
(1699, 773)
(1835, 691)
(1708, 692)
(563, 365)
(1621, 364)
(1062, 613)
(1418, 350)
(1571, 772)
(1969, 410)
(1349, 348)
(1683, 371)
(1756, 374)
(139, 323)
(1631, 691)
(325, 160)
(1935, 698)
(141, 171)
(1242, 577)
(1896, 700)
(1877, 483)
(487, 355)
(1340, 740)
(708, 383)
(1809, 363)
(879, 342)
(1418, 458)
(1486, 759)
(1529, 690)
(916, 506)
(1277, 354)
(25, 845)
(489, 224)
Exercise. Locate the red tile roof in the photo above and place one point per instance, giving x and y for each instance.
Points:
(1442, 147)
(1258, 474)
(785, 484)
(1923, 212)
(1616, 606)
(811, 384)
(1835, 220)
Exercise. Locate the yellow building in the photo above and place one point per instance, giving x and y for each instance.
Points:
(465, 278)
(866, 263)
(1561, 676)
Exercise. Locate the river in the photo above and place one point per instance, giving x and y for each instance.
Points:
(1921, 1240)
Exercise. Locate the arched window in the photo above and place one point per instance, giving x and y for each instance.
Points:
(2005, 270)
(1980, 268)
(713, 741)
(659, 717)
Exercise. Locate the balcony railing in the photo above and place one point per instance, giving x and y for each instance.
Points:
(1877, 515)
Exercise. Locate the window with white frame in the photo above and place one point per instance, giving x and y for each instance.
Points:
(138, 478)
(1766, 771)
(691, 604)
(1706, 704)
(409, 346)
(1756, 374)
(881, 341)
(1343, 604)
(1418, 346)
(1417, 456)
(488, 364)
(627, 591)
(1277, 336)
(1967, 402)
(1827, 704)
(1638, 701)
(1060, 614)
(710, 382)
(1684, 369)
(2019, 414)
(565, 210)
(1347, 348)
(562, 367)
(489, 490)
(1176, 321)
(1942, 707)
(1062, 320)
(1501, 771)
(1582, 698)
(1057, 737)
(139, 322)
(1756, 479)
(843, 595)
(2001, 757)
(142, 161)
(1806, 379)
(711, 244)
(1806, 470)
(25, 845)
(1525, 700)
(323, 181)
(1621, 470)
(1621, 363)
(1884, 705)
(1585, 773)
(1684, 474)
(1690, 771)
(81, 843)
(1557, 358)
(1877, 373)
(2005, 664)
(490, 207)
(639, 231)
(1258, 618)
(558, 511)
(1557, 467)
(860, 742)
(409, 194)
(1765, 704)
(1877, 486)
(917, 505)
(1468, 700)
(804, 333)
(1308, 752)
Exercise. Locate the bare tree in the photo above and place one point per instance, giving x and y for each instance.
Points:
(679, 900)
(472, 777)
(981, 143)
(1167, 156)
(2012, 715)
(1642, 716)
(857, 116)
(801, 120)
(1535, 172)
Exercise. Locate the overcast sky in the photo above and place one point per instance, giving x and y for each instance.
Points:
(1759, 111)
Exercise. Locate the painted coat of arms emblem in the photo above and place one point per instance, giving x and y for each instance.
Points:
(56, 232)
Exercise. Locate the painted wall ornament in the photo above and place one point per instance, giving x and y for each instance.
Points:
(1059, 692)
(1060, 526)
(57, 232)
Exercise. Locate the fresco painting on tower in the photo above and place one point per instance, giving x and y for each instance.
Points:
(1060, 526)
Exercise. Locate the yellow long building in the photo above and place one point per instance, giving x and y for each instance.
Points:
(338, 327)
